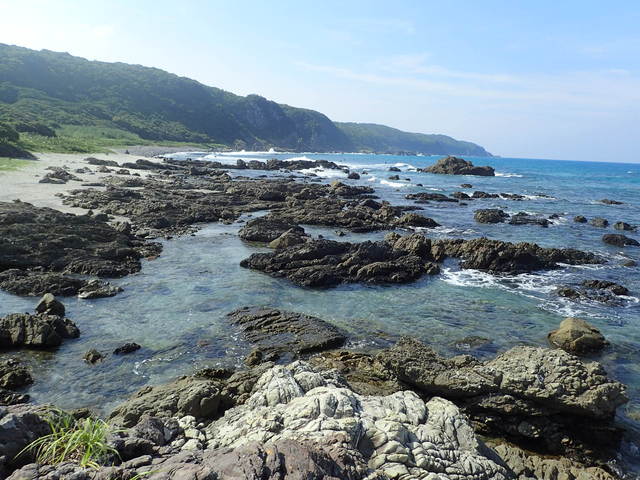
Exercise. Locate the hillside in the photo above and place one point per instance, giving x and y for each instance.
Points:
(380, 138)
(57, 99)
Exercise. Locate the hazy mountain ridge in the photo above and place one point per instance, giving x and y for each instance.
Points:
(57, 89)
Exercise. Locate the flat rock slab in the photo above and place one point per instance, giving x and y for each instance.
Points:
(282, 332)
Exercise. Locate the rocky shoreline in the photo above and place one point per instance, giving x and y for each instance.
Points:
(303, 403)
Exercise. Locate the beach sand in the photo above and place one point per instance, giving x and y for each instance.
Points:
(22, 184)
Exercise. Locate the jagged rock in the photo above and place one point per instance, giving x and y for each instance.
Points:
(281, 332)
(599, 290)
(619, 240)
(267, 229)
(599, 222)
(460, 196)
(457, 166)
(397, 435)
(58, 175)
(126, 348)
(13, 374)
(415, 220)
(28, 283)
(186, 396)
(580, 219)
(574, 335)
(326, 263)
(50, 306)
(35, 331)
(613, 287)
(98, 289)
(33, 237)
(490, 215)
(623, 226)
(504, 257)
(480, 194)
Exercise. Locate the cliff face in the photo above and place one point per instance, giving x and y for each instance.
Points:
(57, 89)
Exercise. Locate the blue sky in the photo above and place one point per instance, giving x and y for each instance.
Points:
(531, 79)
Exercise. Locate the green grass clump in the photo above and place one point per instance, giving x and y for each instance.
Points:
(81, 441)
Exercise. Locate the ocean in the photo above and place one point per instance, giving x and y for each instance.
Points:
(176, 306)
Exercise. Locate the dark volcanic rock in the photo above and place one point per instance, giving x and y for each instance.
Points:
(126, 348)
(353, 176)
(326, 263)
(267, 229)
(35, 331)
(490, 215)
(619, 240)
(599, 290)
(580, 219)
(457, 166)
(93, 356)
(504, 257)
(415, 220)
(460, 196)
(613, 287)
(523, 218)
(394, 169)
(13, 374)
(394, 177)
(610, 202)
(480, 194)
(281, 332)
(43, 238)
(424, 197)
(466, 185)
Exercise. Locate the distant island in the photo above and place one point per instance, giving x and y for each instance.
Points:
(58, 102)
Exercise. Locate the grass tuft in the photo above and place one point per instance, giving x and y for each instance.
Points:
(81, 441)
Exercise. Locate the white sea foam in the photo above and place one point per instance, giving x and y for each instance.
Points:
(325, 172)
(372, 178)
(507, 174)
(394, 184)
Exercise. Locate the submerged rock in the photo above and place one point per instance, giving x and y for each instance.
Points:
(457, 166)
(580, 219)
(599, 222)
(619, 240)
(575, 335)
(285, 333)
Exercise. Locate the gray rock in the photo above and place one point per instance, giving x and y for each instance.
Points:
(93, 356)
(35, 331)
(267, 229)
(50, 306)
(397, 434)
(13, 374)
(599, 222)
(98, 289)
(457, 166)
(624, 226)
(576, 336)
(580, 219)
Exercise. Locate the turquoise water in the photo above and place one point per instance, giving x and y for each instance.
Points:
(175, 308)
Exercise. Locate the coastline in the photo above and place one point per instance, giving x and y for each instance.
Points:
(23, 184)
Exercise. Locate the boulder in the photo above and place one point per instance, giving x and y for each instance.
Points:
(394, 169)
(576, 336)
(13, 374)
(523, 218)
(480, 194)
(415, 220)
(285, 333)
(619, 240)
(126, 348)
(50, 306)
(35, 331)
(580, 219)
(457, 166)
(490, 215)
(623, 226)
(93, 356)
(19, 426)
(353, 176)
(599, 222)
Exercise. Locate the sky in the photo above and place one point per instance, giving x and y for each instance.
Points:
(536, 79)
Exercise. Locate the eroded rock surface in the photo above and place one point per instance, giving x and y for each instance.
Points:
(576, 336)
(457, 166)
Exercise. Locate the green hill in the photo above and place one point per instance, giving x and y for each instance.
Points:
(61, 102)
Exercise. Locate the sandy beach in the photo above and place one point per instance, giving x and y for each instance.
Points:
(22, 183)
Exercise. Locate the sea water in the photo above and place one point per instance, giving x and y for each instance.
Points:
(176, 306)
